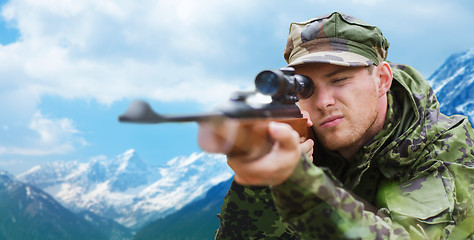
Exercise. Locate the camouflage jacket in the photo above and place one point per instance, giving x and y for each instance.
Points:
(414, 180)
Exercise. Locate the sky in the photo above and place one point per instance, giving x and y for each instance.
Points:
(68, 68)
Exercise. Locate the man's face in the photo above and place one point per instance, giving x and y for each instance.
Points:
(344, 106)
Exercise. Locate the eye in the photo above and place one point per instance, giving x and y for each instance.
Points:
(339, 80)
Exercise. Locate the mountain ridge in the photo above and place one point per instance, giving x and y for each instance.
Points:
(27, 212)
(125, 188)
(182, 223)
(453, 83)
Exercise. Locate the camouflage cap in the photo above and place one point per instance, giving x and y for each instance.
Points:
(335, 39)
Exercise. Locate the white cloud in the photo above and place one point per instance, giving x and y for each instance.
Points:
(25, 151)
(48, 136)
(52, 130)
(109, 50)
(163, 50)
(7, 163)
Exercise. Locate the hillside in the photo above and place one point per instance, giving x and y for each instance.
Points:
(453, 84)
(27, 212)
(197, 220)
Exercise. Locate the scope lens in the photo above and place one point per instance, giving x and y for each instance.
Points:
(267, 83)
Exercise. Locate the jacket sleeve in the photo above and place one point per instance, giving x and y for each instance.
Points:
(317, 207)
(248, 212)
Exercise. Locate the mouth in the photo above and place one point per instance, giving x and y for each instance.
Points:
(331, 121)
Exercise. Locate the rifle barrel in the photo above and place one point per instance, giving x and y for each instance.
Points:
(141, 112)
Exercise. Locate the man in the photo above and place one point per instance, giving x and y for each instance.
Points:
(384, 163)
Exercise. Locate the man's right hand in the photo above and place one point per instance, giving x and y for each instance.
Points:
(271, 150)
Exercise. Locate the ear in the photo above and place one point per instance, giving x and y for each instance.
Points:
(384, 72)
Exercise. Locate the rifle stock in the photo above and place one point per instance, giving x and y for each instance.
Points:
(239, 137)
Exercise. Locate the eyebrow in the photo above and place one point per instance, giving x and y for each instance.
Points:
(339, 70)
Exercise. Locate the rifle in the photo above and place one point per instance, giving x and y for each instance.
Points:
(251, 119)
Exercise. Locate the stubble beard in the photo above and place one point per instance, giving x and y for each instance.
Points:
(350, 133)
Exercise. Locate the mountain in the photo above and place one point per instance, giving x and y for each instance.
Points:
(197, 220)
(26, 212)
(125, 188)
(453, 84)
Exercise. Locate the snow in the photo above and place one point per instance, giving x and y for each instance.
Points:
(114, 191)
(453, 84)
(88, 218)
(28, 191)
(441, 83)
(468, 55)
(32, 170)
(467, 108)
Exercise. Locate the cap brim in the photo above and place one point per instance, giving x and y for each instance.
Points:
(341, 58)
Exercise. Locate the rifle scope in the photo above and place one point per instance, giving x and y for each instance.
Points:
(284, 84)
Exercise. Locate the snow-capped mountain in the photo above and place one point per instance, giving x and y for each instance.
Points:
(196, 220)
(125, 188)
(27, 212)
(453, 84)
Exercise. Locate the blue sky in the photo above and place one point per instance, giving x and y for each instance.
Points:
(69, 68)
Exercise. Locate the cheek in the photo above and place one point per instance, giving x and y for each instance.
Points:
(362, 105)
(364, 93)
(306, 105)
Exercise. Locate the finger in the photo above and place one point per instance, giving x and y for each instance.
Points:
(284, 135)
(276, 166)
(248, 172)
(217, 136)
(306, 115)
(307, 146)
(309, 154)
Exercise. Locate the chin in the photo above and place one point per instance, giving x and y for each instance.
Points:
(332, 145)
(337, 143)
